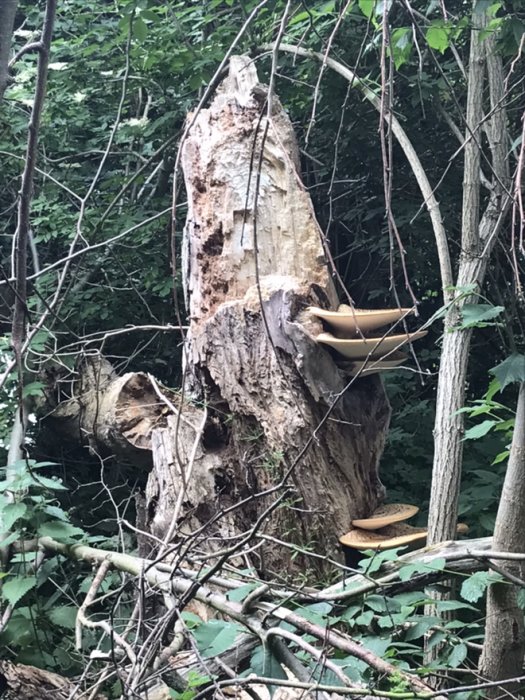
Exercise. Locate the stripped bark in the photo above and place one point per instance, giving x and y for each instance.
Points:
(253, 262)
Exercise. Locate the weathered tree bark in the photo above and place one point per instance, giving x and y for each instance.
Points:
(269, 423)
(20, 682)
(111, 414)
(504, 644)
(253, 262)
(478, 237)
(479, 234)
(7, 20)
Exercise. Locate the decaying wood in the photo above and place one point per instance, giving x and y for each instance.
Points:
(20, 682)
(111, 414)
(253, 263)
(262, 399)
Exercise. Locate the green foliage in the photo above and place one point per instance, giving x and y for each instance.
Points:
(510, 370)
(475, 586)
(478, 315)
(33, 507)
(137, 68)
(195, 681)
(215, 637)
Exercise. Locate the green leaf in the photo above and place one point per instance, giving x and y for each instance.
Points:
(375, 560)
(478, 431)
(215, 637)
(436, 638)
(476, 585)
(32, 389)
(401, 45)
(14, 588)
(191, 620)
(56, 512)
(58, 530)
(318, 613)
(52, 484)
(377, 645)
(420, 628)
(457, 655)
(350, 613)
(365, 618)
(381, 604)
(408, 570)
(64, 616)
(501, 457)
(140, 29)
(510, 370)
(239, 594)
(12, 537)
(477, 315)
(264, 663)
(10, 513)
(437, 38)
(367, 7)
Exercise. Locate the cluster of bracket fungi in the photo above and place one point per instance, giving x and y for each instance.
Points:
(350, 338)
(384, 529)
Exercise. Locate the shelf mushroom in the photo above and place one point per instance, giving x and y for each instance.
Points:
(368, 348)
(357, 540)
(347, 320)
(386, 515)
(349, 337)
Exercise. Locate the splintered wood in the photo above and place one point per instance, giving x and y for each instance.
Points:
(253, 262)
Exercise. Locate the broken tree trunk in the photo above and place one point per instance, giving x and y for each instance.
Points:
(271, 439)
(281, 441)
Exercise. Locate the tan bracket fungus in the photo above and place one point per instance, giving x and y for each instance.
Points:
(397, 535)
(386, 515)
(349, 337)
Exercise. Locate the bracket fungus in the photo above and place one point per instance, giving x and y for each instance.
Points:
(359, 348)
(348, 320)
(349, 337)
(357, 540)
(386, 515)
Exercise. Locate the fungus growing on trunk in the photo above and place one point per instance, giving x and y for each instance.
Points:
(347, 320)
(361, 348)
(357, 540)
(386, 515)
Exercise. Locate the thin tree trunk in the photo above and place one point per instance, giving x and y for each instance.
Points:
(448, 432)
(504, 645)
(477, 241)
(22, 234)
(7, 20)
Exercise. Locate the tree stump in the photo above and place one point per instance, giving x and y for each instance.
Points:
(270, 443)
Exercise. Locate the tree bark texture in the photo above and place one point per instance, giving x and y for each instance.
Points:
(479, 235)
(253, 263)
(20, 682)
(7, 21)
(112, 415)
(504, 644)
